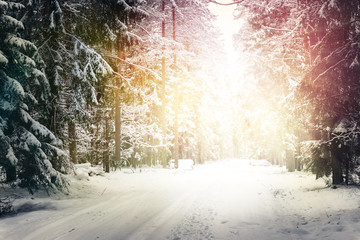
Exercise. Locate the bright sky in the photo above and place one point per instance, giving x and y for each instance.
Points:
(226, 23)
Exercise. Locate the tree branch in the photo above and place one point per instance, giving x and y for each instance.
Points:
(135, 65)
(225, 4)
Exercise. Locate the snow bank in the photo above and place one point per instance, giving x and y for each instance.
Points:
(260, 162)
(85, 170)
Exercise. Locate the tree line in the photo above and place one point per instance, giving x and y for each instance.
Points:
(103, 81)
(310, 48)
(132, 82)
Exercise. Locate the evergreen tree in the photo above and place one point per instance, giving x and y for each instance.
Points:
(75, 69)
(29, 150)
(331, 85)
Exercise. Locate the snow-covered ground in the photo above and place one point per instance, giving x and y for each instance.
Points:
(233, 199)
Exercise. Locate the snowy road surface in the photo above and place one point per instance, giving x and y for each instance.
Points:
(224, 200)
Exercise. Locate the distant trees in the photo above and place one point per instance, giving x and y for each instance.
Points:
(184, 84)
(273, 68)
(192, 81)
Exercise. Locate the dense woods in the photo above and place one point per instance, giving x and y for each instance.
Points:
(126, 83)
(311, 49)
(105, 82)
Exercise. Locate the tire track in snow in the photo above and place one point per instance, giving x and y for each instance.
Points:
(114, 218)
(68, 227)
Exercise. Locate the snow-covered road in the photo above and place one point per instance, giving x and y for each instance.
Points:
(225, 200)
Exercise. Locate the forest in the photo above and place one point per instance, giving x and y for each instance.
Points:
(129, 83)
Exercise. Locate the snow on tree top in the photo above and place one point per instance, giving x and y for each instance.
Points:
(3, 59)
(125, 5)
(28, 140)
(12, 93)
(52, 22)
(355, 63)
(10, 156)
(10, 5)
(19, 43)
(11, 22)
(3, 4)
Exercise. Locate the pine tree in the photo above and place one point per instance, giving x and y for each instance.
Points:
(76, 71)
(29, 150)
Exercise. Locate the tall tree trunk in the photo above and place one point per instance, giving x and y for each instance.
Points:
(10, 173)
(97, 140)
(347, 166)
(72, 141)
(91, 153)
(199, 134)
(176, 124)
(176, 128)
(337, 177)
(163, 95)
(153, 154)
(297, 156)
(121, 55)
(53, 118)
(335, 156)
(106, 160)
(117, 125)
(200, 152)
(290, 161)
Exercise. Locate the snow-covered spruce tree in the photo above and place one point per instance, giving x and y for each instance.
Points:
(75, 70)
(43, 21)
(28, 148)
(111, 36)
(132, 87)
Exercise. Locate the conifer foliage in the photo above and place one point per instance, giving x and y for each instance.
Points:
(28, 149)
